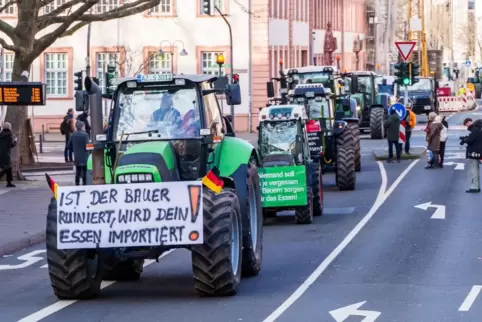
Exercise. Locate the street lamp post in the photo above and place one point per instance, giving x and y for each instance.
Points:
(171, 51)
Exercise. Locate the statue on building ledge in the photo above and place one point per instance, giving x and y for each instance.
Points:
(357, 47)
(329, 47)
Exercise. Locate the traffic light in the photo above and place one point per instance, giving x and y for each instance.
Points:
(401, 72)
(206, 7)
(110, 80)
(235, 79)
(414, 73)
(78, 81)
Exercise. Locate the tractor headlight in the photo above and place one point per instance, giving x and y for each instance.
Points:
(135, 178)
(358, 107)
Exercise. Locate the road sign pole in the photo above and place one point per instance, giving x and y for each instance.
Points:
(405, 96)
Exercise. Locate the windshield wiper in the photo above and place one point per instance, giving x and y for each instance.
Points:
(149, 132)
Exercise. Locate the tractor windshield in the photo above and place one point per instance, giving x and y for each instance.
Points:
(365, 84)
(172, 112)
(278, 136)
(319, 108)
(314, 78)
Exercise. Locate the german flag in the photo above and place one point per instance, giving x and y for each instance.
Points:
(212, 181)
(52, 185)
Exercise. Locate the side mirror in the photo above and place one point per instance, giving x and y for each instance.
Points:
(270, 89)
(233, 94)
(79, 101)
(354, 84)
(220, 83)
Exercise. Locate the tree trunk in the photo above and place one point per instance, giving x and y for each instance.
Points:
(17, 116)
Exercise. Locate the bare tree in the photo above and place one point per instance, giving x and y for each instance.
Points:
(38, 28)
(135, 62)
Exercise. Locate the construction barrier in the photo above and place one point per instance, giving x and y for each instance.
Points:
(402, 138)
(457, 103)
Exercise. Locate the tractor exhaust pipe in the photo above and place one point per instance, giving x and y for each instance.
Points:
(95, 105)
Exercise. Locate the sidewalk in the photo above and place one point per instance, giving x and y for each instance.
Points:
(23, 214)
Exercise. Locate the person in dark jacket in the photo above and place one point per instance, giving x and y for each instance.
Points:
(474, 151)
(77, 143)
(393, 129)
(433, 143)
(67, 128)
(7, 142)
(84, 117)
(443, 140)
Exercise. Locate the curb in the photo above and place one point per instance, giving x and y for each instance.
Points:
(15, 246)
(403, 156)
(47, 169)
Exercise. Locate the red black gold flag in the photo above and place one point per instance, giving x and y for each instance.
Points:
(52, 185)
(212, 181)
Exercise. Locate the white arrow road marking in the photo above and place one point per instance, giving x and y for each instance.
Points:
(28, 259)
(458, 166)
(439, 212)
(60, 305)
(345, 312)
(470, 299)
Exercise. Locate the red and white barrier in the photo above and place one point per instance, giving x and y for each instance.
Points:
(402, 138)
(450, 104)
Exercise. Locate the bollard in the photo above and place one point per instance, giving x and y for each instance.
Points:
(41, 146)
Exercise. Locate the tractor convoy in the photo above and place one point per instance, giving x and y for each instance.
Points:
(168, 172)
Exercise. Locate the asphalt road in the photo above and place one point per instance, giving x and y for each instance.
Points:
(373, 254)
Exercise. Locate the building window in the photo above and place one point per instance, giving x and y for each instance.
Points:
(53, 5)
(165, 8)
(209, 65)
(56, 74)
(8, 11)
(102, 60)
(471, 4)
(106, 5)
(217, 3)
(160, 63)
(7, 65)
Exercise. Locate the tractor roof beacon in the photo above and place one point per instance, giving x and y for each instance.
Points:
(167, 131)
(335, 137)
(285, 175)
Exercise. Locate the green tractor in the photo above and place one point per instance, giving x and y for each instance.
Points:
(289, 180)
(372, 106)
(167, 145)
(336, 139)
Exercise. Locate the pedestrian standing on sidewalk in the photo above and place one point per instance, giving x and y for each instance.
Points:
(411, 122)
(393, 133)
(67, 128)
(443, 139)
(434, 142)
(474, 151)
(7, 142)
(77, 143)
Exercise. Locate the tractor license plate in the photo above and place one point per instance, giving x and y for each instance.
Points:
(136, 215)
(427, 107)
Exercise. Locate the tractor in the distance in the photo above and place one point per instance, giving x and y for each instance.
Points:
(336, 139)
(289, 180)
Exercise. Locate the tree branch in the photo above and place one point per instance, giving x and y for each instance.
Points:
(6, 46)
(8, 4)
(45, 20)
(7, 29)
(125, 10)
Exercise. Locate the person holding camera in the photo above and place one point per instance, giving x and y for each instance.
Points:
(474, 151)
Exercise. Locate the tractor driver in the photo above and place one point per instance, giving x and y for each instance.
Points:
(166, 112)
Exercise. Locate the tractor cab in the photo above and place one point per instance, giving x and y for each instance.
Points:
(324, 75)
(282, 138)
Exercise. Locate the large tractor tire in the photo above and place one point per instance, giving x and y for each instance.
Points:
(377, 123)
(317, 189)
(217, 263)
(253, 243)
(345, 161)
(355, 128)
(74, 274)
(304, 214)
(126, 270)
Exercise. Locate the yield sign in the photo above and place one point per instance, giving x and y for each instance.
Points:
(405, 48)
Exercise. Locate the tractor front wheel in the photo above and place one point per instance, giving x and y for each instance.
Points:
(317, 189)
(377, 123)
(217, 263)
(304, 214)
(355, 128)
(345, 161)
(75, 274)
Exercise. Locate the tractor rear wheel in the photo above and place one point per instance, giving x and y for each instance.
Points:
(355, 128)
(304, 214)
(317, 189)
(75, 274)
(253, 242)
(126, 270)
(377, 123)
(217, 263)
(345, 161)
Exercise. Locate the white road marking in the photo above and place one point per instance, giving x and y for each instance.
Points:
(470, 299)
(60, 305)
(381, 198)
